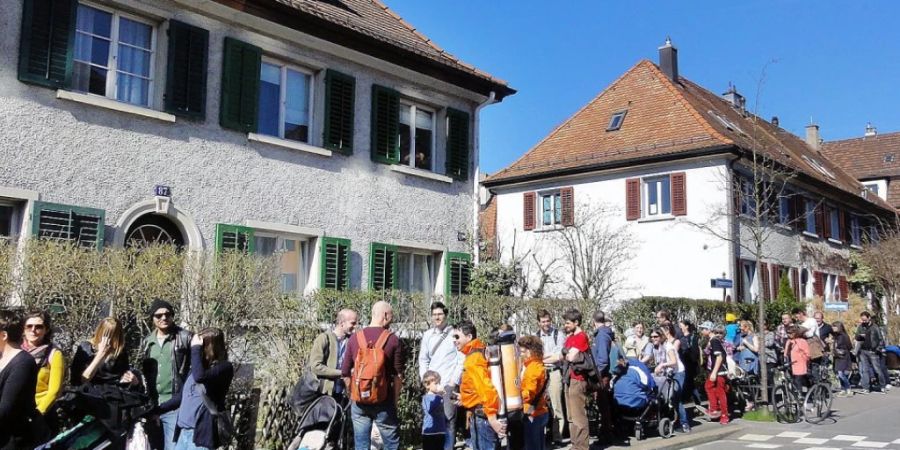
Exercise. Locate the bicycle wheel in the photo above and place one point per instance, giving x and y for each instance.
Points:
(817, 405)
(786, 410)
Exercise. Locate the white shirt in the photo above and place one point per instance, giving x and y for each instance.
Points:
(553, 345)
(811, 326)
(670, 347)
(445, 360)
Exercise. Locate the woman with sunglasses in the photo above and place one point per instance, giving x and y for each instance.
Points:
(50, 362)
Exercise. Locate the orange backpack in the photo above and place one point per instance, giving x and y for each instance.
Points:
(369, 383)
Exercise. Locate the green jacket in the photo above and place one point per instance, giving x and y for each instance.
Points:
(323, 361)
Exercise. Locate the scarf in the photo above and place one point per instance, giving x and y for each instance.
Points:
(41, 353)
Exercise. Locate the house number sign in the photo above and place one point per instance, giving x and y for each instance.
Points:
(162, 191)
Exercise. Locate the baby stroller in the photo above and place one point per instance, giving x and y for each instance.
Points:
(641, 402)
(892, 361)
(320, 425)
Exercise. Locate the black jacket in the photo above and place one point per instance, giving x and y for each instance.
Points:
(17, 383)
(181, 367)
(870, 337)
(217, 381)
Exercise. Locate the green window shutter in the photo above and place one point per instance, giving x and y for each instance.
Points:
(47, 42)
(382, 267)
(234, 238)
(335, 267)
(457, 144)
(186, 70)
(340, 101)
(83, 226)
(459, 266)
(385, 125)
(240, 86)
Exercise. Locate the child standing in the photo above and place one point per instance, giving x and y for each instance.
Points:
(434, 422)
(797, 350)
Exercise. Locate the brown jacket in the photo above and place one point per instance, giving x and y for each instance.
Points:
(323, 360)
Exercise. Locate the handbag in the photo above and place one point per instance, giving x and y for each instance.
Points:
(816, 348)
(224, 427)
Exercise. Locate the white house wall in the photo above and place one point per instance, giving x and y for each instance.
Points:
(90, 156)
(672, 257)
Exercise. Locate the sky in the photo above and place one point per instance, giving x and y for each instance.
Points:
(835, 63)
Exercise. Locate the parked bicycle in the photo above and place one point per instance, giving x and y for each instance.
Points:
(792, 406)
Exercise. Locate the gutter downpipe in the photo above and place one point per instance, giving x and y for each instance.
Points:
(476, 179)
(733, 225)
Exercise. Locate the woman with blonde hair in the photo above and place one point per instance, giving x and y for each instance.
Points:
(103, 360)
(49, 359)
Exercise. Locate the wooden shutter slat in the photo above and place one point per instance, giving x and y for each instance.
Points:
(679, 194)
(46, 44)
(843, 235)
(795, 282)
(633, 199)
(382, 267)
(340, 109)
(820, 220)
(457, 165)
(186, 70)
(240, 86)
(826, 221)
(528, 200)
(799, 218)
(385, 125)
(335, 268)
(844, 288)
(83, 226)
(819, 284)
(235, 238)
(764, 268)
(458, 273)
(567, 200)
(776, 280)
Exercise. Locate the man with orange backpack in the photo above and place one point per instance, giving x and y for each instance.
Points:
(372, 371)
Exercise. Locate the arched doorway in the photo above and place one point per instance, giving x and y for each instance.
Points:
(151, 229)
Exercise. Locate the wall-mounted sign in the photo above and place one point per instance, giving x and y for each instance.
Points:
(162, 191)
(721, 283)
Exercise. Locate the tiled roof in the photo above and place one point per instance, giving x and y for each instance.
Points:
(867, 157)
(375, 20)
(664, 119)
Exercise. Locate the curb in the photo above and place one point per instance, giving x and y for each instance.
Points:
(682, 441)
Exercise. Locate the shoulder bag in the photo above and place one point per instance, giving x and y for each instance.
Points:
(222, 420)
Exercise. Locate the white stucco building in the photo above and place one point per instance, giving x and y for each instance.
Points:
(333, 132)
(670, 163)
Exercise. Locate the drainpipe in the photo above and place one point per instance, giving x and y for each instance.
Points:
(733, 225)
(476, 182)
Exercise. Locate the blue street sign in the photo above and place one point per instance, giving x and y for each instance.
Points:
(837, 306)
(721, 283)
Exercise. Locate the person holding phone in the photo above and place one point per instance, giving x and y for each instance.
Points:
(103, 360)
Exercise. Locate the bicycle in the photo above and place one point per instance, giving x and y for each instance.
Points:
(814, 408)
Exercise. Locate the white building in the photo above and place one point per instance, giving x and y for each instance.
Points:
(663, 156)
(333, 132)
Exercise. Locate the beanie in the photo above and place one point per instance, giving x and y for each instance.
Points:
(158, 304)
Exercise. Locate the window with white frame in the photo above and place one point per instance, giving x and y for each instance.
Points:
(7, 220)
(834, 221)
(805, 285)
(784, 209)
(810, 214)
(748, 198)
(748, 272)
(285, 101)
(294, 253)
(872, 187)
(832, 288)
(416, 272)
(855, 231)
(658, 196)
(416, 136)
(551, 209)
(114, 55)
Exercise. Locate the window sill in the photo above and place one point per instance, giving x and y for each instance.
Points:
(783, 226)
(421, 173)
(661, 218)
(810, 235)
(293, 145)
(103, 102)
(549, 228)
(835, 241)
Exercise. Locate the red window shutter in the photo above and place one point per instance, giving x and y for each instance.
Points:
(776, 280)
(826, 222)
(845, 289)
(764, 268)
(738, 291)
(567, 198)
(820, 220)
(632, 199)
(799, 216)
(795, 281)
(528, 210)
(819, 284)
(842, 223)
(679, 194)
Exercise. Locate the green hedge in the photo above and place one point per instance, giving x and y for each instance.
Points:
(698, 311)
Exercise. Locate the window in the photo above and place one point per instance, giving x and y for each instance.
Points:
(784, 208)
(294, 254)
(748, 272)
(834, 222)
(657, 191)
(804, 284)
(615, 122)
(113, 56)
(810, 214)
(82, 226)
(872, 187)
(416, 273)
(285, 101)
(416, 136)
(818, 166)
(748, 198)
(7, 221)
(551, 209)
(832, 288)
(855, 234)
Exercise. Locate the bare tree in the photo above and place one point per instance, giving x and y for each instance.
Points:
(594, 250)
(881, 257)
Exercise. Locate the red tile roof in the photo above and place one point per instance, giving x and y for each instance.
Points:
(870, 157)
(664, 119)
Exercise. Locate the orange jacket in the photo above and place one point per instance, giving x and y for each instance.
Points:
(476, 388)
(534, 377)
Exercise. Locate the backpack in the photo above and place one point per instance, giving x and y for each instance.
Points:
(587, 368)
(369, 383)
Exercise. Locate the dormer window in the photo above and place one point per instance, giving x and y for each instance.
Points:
(818, 166)
(615, 122)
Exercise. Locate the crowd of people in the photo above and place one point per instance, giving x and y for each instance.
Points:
(562, 374)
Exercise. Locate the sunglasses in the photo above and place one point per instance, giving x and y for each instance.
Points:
(161, 315)
(654, 336)
(456, 336)
(34, 326)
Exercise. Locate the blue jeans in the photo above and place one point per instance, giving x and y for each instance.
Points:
(678, 403)
(869, 366)
(186, 441)
(482, 436)
(385, 418)
(167, 422)
(534, 432)
(844, 377)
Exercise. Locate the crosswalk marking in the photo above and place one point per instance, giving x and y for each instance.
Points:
(821, 448)
(896, 441)
(871, 444)
(793, 434)
(763, 446)
(756, 437)
(813, 441)
(848, 437)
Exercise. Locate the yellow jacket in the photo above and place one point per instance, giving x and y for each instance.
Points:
(50, 381)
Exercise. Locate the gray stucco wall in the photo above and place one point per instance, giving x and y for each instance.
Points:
(85, 155)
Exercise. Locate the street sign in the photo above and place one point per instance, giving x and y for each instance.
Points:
(723, 283)
(162, 191)
(837, 306)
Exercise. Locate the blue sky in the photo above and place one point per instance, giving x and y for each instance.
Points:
(835, 62)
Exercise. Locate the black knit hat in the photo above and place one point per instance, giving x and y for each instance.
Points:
(160, 303)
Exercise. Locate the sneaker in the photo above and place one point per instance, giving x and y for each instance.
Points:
(685, 428)
(714, 414)
(724, 420)
(862, 391)
(887, 388)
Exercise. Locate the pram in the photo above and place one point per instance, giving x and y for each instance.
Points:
(320, 425)
(643, 403)
(892, 361)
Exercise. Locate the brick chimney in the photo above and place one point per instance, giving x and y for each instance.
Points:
(668, 60)
(812, 136)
